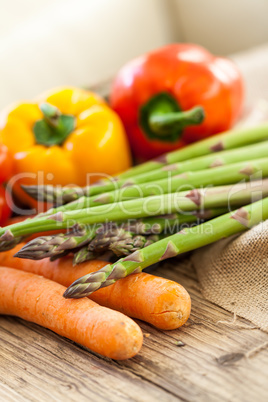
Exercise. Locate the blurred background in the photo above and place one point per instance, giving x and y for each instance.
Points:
(46, 43)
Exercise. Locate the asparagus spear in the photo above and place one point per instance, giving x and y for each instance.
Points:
(132, 244)
(54, 194)
(169, 223)
(118, 247)
(183, 241)
(60, 196)
(102, 240)
(9, 244)
(247, 153)
(230, 139)
(181, 202)
(55, 246)
(120, 241)
(222, 175)
(82, 255)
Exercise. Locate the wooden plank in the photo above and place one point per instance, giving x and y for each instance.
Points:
(36, 364)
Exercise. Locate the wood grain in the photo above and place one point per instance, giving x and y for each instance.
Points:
(38, 365)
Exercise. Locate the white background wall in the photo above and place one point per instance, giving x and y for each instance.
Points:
(224, 27)
(45, 43)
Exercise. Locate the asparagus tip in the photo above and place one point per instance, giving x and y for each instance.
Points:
(78, 290)
(88, 284)
(68, 294)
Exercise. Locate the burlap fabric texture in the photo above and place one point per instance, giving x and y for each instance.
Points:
(233, 273)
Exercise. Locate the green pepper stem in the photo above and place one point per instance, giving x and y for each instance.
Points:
(54, 128)
(161, 124)
(162, 119)
(51, 114)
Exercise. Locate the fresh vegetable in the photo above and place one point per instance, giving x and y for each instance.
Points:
(163, 96)
(21, 218)
(168, 223)
(5, 211)
(56, 245)
(235, 172)
(161, 302)
(183, 241)
(6, 168)
(40, 300)
(158, 170)
(83, 254)
(235, 138)
(120, 241)
(118, 237)
(124, 245)
(67, 134)
(186, 201)
(62, 196)
(6, 164)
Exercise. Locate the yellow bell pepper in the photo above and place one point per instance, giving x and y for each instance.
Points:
(65, 135)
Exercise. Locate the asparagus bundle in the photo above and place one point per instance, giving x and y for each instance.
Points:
(59, 195)
(125, 238)
(55, 246)
(180, 202)
(169, 223)
(150, 193)
(229, 174)
(228, 140)
(87, 241)
(183, 241)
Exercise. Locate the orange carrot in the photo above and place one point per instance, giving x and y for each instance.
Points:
(161, 302)
(40, 300)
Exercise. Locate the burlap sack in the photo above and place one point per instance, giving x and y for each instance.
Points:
(233, 273)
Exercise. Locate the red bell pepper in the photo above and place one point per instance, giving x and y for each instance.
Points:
(6, 168)
(5, 211)
(6, 164)
(174, 96)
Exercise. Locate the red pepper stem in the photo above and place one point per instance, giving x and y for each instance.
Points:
(162, 119)
(162, 123)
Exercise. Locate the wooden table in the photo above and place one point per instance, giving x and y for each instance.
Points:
(215, 364)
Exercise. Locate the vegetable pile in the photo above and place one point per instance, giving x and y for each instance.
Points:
(95, 240)
(141, 216)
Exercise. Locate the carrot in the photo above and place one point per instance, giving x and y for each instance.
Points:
(37, 299)
(161, 302)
